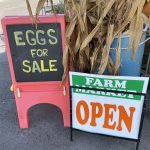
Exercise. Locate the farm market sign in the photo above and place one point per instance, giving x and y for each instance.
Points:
(108, 113)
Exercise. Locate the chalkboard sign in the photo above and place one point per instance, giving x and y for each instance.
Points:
(36, 53)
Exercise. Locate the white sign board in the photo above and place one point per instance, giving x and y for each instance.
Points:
(107, 113)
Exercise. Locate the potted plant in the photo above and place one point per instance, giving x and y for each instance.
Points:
(96, 25)
(92, 27)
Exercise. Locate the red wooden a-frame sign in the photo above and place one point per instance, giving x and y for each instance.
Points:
(28, 94)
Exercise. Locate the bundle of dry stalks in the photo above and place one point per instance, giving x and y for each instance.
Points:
(92, 26)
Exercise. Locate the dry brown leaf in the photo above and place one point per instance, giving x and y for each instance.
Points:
(94, 31)
(118, 53)
(30, 11)
(40, 6)
(138, 28)
(106, 49)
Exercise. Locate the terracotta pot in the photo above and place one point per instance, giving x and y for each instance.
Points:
(147, 9)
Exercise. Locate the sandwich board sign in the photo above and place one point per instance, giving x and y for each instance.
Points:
(35, 61)
(97, 108)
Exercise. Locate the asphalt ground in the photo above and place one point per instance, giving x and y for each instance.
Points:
(46, 130)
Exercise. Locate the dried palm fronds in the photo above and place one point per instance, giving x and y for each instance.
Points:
(92, 25)
(105, 20)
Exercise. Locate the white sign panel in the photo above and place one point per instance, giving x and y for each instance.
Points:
(108, 113)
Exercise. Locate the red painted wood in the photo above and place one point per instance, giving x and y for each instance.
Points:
(33, 93)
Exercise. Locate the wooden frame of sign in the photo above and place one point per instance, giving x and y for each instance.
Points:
(35, 62)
